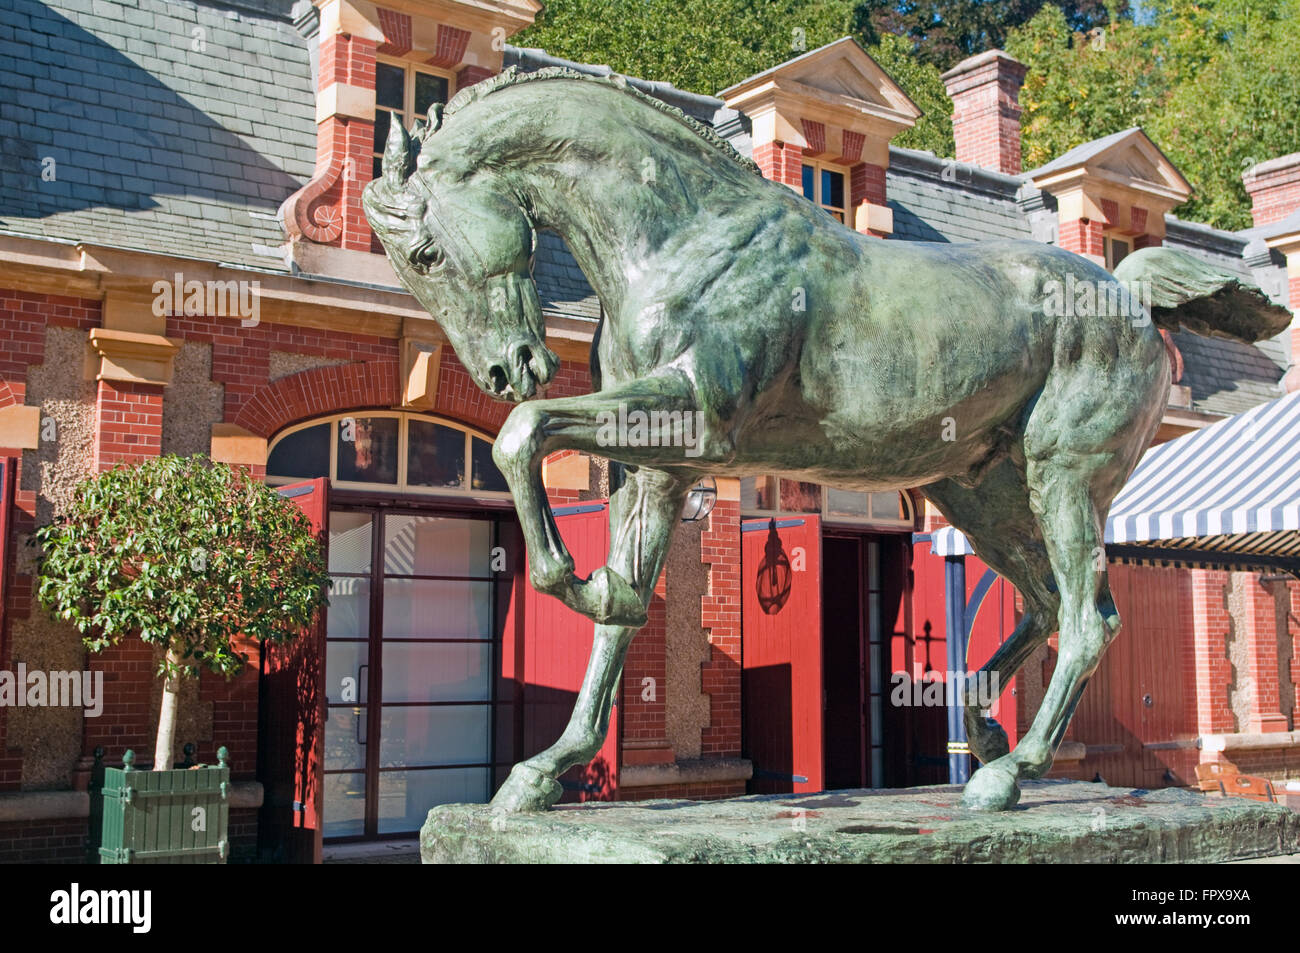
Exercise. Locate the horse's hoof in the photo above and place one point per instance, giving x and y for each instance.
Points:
(527, 789)
(616, 601)
(993, 788)
(988, 739)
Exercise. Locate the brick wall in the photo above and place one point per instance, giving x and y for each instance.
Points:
(720, 616)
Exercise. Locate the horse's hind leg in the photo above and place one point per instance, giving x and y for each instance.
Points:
(642, 513)
(997, 520)
(1072, 490)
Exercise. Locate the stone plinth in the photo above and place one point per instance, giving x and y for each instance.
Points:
(1055, 822)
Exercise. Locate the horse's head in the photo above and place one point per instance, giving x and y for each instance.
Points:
(465, 252)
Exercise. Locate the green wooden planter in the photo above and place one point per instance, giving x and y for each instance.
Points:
(150, 816)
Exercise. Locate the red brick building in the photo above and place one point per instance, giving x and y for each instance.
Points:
(215, 156)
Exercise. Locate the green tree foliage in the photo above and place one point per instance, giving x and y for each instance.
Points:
(187, 555)
(1215, 83)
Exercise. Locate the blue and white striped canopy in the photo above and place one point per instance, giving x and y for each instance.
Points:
(1233, 487)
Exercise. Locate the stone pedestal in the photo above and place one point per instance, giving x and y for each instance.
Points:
(1055, 822)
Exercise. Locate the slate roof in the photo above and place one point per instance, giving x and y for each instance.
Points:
(164, 144)
(158, 145)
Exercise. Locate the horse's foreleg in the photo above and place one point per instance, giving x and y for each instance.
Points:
(594, 423)
(642, 515)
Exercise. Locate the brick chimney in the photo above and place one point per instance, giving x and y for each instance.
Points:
(1274, 188)
(985, 92)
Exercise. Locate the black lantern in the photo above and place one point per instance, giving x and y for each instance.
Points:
(699, 500)
(774, 579)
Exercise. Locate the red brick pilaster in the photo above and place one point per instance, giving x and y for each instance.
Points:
(1209, 638)
(720, 615)
(1260, 631)
(645, 682)
(781, 162)
(1083, 237)
(128, 423)
(469, 75)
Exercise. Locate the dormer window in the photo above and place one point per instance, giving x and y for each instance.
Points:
(824, 185)
(404, 94)
(1116, 251)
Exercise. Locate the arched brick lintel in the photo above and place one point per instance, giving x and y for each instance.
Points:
(320, 391)
(371, 384)
(7, 395)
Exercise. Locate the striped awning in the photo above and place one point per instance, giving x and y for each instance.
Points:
(1231, 489)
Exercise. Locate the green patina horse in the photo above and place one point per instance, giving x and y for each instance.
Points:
(795, 346)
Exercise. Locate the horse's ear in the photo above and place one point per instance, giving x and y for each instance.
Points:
(397, 165)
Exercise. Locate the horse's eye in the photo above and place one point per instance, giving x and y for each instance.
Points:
(426, 257)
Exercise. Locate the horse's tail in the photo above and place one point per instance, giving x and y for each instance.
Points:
(1186, 292)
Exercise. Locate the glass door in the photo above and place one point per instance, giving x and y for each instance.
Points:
(410, 651)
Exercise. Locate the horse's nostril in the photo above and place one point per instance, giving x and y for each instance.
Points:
(497, 379)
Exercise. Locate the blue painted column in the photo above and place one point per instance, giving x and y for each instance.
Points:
(954, 578)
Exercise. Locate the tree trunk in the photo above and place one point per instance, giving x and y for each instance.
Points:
(166, 740)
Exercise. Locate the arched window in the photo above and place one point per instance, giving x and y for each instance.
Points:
(387, 450)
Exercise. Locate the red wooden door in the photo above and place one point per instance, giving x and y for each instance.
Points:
(781, 653)
(291, 721)
(557, 645)
(995, 619)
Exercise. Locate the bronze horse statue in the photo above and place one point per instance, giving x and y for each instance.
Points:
(802, 348)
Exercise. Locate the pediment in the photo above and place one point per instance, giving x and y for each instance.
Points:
(1128, 159)
(840, 72)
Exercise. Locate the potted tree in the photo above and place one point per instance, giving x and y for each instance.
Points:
(190, 556)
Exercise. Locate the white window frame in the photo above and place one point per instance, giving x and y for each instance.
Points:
(409, 70)
(839, 518)
(817, 168)
(403, 453)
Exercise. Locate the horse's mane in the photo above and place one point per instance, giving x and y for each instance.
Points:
(513, 76)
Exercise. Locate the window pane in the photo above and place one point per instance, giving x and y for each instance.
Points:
(406, 796)
(437, 672)
(345, 804)
(832, 188)
(383, 122)
(437, 546)
(809, 178)
(390, 86)
(344, 674)
(847, 502)
(798, 497)
(887, 506)
(348, 616)
(342, 728)
(486, 475)
(367, 448)
(305, 453)
(437, 609)
(441, 734)
(349, 541)
(436, 456)
(429, 89)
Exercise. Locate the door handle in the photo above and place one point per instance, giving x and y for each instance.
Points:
(359, 711)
